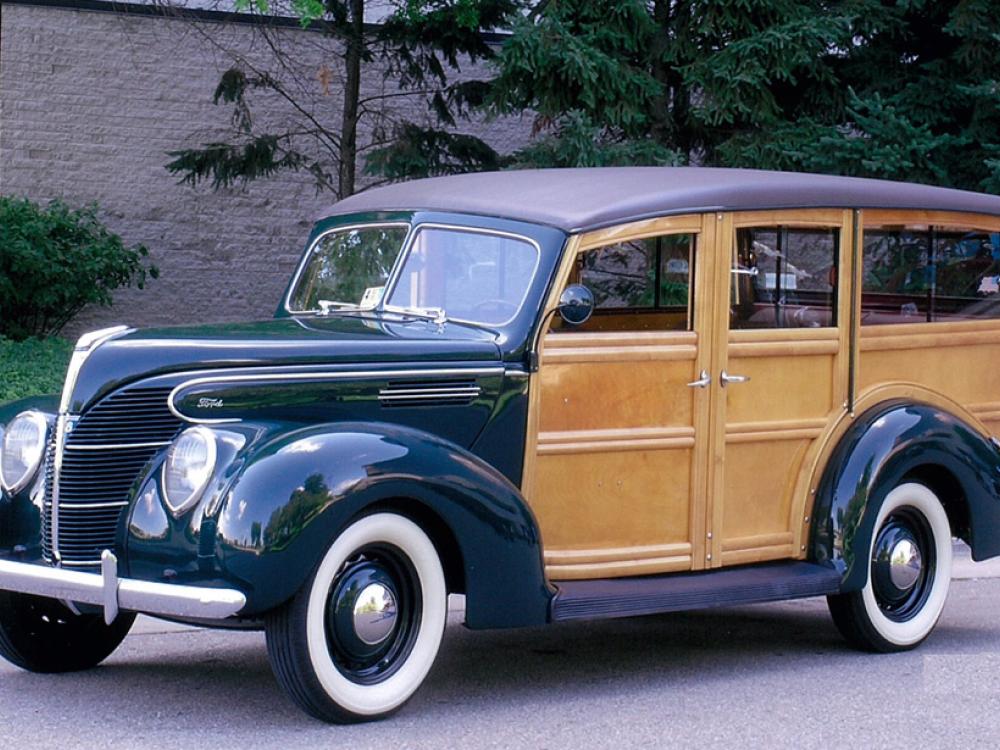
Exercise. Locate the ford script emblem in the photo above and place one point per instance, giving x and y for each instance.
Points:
(209, 403)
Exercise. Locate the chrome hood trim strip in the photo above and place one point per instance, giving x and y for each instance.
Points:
(386, 374)
(85, 346)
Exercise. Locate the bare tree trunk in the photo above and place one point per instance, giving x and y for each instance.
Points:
(352, 91)
(661, 126)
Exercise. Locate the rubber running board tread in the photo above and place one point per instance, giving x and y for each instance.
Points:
(677, 592)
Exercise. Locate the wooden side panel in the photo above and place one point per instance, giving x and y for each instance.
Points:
(771, 422)
(957, 360)
(615, 448)
(767, 427)
(954, 359)
(616, 463)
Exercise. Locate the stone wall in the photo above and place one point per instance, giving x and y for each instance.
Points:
(91, 101)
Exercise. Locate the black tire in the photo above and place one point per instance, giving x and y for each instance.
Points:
(892, 613)
(43, 635)
(360, 637)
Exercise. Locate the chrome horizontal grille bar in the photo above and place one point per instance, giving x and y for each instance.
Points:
(105, 452)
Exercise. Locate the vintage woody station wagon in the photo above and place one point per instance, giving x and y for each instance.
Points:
(563, 394)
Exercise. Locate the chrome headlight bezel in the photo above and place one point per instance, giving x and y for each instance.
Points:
(13, 485)
(180, 500)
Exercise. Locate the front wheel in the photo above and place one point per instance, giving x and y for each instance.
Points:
(43, 635)
(908, 578)
(360, 637)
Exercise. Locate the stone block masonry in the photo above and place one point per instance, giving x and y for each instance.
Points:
(90, 104)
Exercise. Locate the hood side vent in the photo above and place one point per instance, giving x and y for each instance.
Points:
(452, 392)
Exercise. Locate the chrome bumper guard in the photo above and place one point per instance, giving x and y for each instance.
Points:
(114, 593)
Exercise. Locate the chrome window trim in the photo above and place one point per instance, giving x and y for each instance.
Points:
(85, 346)
(312, 376)
(393, 280)
(336, 230)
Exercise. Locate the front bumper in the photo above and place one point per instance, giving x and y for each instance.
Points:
(114, 593)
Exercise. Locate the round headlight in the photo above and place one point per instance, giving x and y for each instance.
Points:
(189, 465)
(21, 450)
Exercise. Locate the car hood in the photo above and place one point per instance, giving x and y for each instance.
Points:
(333, 340)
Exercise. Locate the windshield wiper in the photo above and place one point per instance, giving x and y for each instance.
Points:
(438, 316)
(327, 306)
(435, 314)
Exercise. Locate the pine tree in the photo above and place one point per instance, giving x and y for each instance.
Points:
(901, 90)
(417, 47)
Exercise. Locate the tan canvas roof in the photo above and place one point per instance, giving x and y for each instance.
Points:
(581, 199)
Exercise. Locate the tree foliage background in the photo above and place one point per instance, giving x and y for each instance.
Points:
(901, 89)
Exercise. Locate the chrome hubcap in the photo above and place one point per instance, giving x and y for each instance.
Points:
(905, 564)
(375, 614)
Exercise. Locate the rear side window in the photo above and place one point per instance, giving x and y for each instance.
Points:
(929, 274)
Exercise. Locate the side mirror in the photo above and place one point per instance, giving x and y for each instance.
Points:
(576, 304)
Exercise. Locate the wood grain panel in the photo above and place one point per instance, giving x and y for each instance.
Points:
(890, 218)
(616, 395)
(759, 554)
(951, 371)
(764, 431)
(777, 539)
(766, 427)
(589, 441)
(639, 229)
(643, 567)
(781, 388)
(759, 481)
(614, 499)
(617, 441)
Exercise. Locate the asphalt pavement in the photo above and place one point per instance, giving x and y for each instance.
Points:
(770, 675)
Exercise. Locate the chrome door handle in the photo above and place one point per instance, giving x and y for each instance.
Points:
(704, 380)
(725, 378)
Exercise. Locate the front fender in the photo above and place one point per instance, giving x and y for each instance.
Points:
(885, 444)
(299, 490)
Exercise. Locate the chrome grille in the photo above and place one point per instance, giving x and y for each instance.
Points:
(104, 453)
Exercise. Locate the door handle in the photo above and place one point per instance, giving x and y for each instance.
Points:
(725, 378)
(704, 380)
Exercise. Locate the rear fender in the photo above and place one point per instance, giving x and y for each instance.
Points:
(886, 444)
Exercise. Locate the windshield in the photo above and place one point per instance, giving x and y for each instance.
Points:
(348, 267)
(472, 276)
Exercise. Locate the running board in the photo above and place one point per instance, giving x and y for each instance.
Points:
(646, 595)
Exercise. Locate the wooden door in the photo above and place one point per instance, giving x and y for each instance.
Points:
(783, 345)
(618, 440)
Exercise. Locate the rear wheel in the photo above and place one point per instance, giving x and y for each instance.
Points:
(360, 637)
(908, 577)
(43, 635)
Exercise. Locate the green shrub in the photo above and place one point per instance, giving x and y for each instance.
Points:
(32, 367)
(54, 260)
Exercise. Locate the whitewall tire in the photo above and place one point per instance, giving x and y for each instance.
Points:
(908, 576)
(360, 637)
